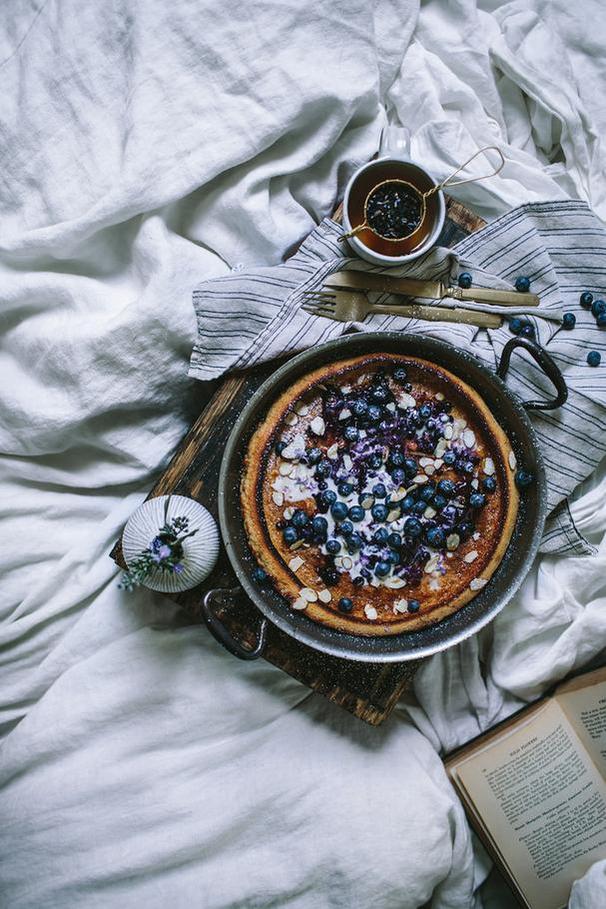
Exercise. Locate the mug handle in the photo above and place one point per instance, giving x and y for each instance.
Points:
(546, 363)
(394, 142)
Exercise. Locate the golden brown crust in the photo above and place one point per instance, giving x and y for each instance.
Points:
(440, 592)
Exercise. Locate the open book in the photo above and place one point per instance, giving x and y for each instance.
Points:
(534, 789)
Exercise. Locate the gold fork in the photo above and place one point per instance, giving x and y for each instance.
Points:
(353, 306)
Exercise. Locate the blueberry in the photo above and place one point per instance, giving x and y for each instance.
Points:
(489, 484)
(299, 518)
(425, 411)
(516, 325)
(346, 528)
(351, 434)
(410, 466)
(477, 500)
(522, 284)
(339, 511)
(354, 542)
(396, 459)
(379, 512)
(400, 375)
(359, 408)
(439, 501)
(394, 540)
(319, 524)
(333, 547)
(379, 491)
(449, 457)
(290, 535)
(374, 413)
(393, 557)
(419, 507)
(358, 581)
(398, 476)
(601, 319)
(380, 393)
(594, 358)
(435, 537)
(527, 331)
(382, 569)
(259, 576)
(465, 280)
(413, 605)
(375, 461)
(586, 299)
(324, 469)
(465, 529)
(412, 527)
(598, 307)
(345, 604)
(427, 491)
(280, 446)
(381, 535)
(467, 466)
(314, 455)
(569, 320)
(407, 502)
(345, 489)
(356, 513)
(446, 488)
(329, 575)
(329, 496)
(523, 478)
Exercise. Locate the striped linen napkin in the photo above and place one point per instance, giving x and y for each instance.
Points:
(251, 316)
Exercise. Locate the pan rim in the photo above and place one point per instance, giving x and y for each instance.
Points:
(293, 626)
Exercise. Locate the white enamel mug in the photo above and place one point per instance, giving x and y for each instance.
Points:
(394, 146)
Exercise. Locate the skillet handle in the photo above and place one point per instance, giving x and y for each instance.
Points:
(221, 633)
(547, 364)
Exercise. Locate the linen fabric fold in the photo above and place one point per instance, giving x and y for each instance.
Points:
(252, 316)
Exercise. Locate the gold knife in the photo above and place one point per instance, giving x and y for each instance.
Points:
(432, 290)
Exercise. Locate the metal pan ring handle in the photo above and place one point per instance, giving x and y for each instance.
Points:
(220, 632)
(547, 364)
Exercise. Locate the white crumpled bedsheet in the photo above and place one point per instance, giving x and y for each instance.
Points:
(147, 146)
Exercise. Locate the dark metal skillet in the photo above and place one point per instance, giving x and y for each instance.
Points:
(508, 409)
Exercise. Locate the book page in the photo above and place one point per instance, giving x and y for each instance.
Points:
(583, 700)
(543, 803)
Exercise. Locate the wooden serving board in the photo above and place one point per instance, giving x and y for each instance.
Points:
(368, 690)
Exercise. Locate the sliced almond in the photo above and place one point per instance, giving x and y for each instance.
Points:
(469, 438)
(318, 426)
(394, 582)
(300, 603)
(452, 541)
(347, 462)
(513, 461)
(309, 594)
(345, 389)
(405, 400)
(345, 413)
(489, 467)
(397, 495)
(430, 470)
(367, 502)
(432, 564)
(393, 515)
(370, 612)
(400, 606)
(471, 556)
(438, 463)
(474, 483)
(429, 512)
(477, 583)
(290, 419)
(296, 545)
(325, 596)
(302, 409)
(420, 479)
(288, 513)
(332, 452)
(476, 536)
(425, 461)
(440, 448)
(439, 396)
(296, 563)
(278, 498)
(448, 431)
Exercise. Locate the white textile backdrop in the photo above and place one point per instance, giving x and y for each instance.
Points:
(146, 146)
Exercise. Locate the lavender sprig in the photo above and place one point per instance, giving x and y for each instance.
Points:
(165, 552)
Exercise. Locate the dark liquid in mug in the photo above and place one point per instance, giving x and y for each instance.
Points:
(367, 182)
